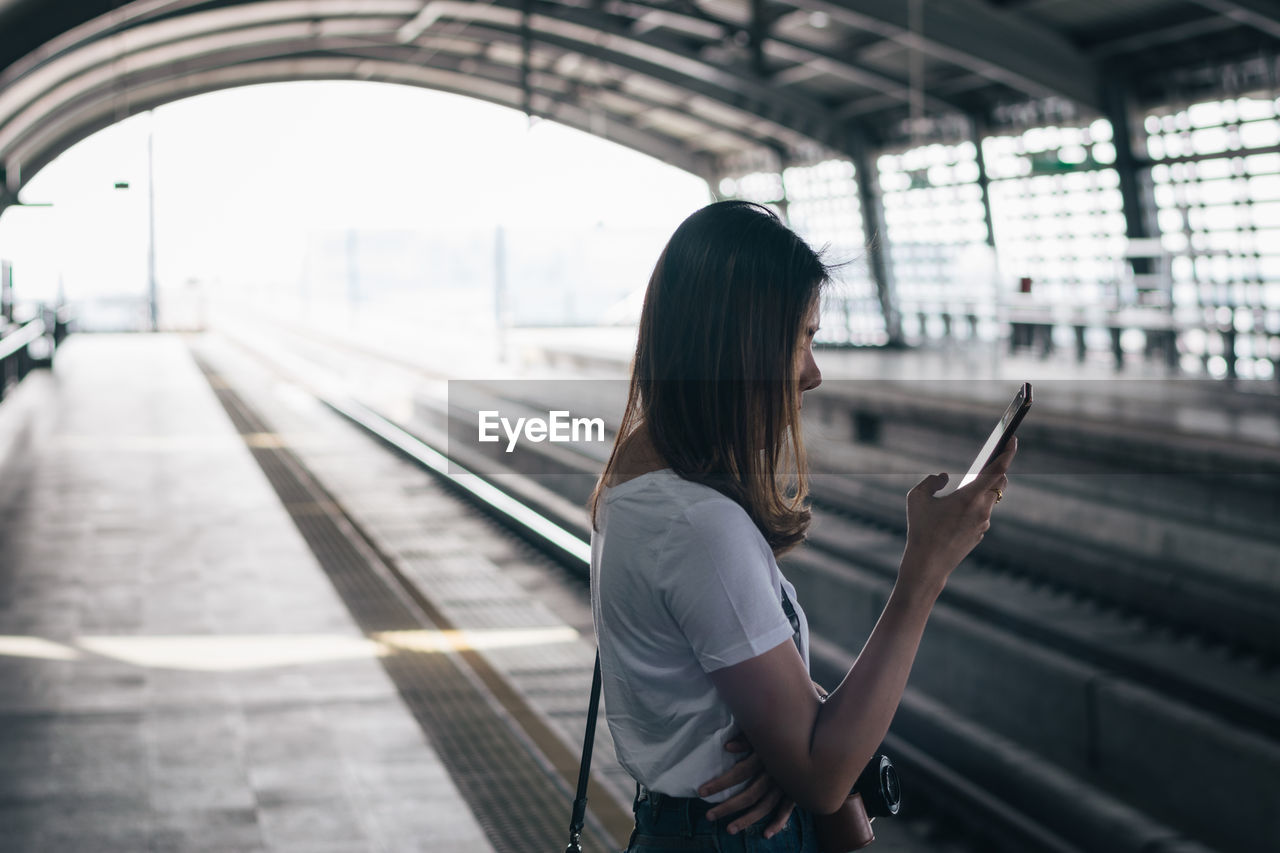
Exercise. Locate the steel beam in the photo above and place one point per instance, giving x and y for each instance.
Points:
(65, 130)
(1262, 15)
(1134, 176)
(590, 33)
(1155, 36)
(835, 64)
(248, 47)
(1001, 46)
(977, 130)
(874, 234)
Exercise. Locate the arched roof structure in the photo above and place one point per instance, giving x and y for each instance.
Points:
(692, 82)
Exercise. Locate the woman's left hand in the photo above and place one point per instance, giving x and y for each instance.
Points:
(760, 797)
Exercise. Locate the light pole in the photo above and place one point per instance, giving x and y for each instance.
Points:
(152, 301)
(151, 225)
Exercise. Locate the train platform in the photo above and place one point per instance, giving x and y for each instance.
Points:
(232, 620)
(1144, 395)
(196, 658)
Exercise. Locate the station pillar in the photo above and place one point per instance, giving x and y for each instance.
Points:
(873, 226)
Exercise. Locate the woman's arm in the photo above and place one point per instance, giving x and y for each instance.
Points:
(815, 749)
(761, 795)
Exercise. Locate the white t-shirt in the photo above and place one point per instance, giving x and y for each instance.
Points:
(682, 584)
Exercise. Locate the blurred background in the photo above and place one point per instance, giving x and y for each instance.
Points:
(263, 263)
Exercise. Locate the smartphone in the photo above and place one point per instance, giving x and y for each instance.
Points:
(999, 438)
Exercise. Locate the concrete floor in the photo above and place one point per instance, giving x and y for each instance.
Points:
(177, 673)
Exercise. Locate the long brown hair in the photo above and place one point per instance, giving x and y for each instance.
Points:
(714, 376)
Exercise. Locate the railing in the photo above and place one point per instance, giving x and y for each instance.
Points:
(1029, 326)
(31, 345)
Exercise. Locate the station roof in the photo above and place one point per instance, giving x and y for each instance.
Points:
(702, 84)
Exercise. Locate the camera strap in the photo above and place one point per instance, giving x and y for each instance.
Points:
(579, 815)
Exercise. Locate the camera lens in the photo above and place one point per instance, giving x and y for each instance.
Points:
(880, 787)
(890, 787)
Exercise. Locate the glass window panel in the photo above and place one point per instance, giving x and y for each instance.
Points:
(1267, 241)
(1255, 108)
(1225, 241)
(1170, 220)
(1259, 134)
(824, 209)
(1260, 164)
(1206, 114)
(938, 248)
(1218, 218)
(1218, 192)
(1266, 215)
(1216, 168)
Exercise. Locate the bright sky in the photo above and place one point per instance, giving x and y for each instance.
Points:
(242, 176)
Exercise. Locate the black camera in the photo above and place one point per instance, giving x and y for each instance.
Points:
(877, 793)
(879, 786)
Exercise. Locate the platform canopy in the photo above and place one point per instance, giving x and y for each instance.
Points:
(695, 83)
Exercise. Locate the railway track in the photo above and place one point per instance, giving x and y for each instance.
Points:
(556, 686)
(1042, 715)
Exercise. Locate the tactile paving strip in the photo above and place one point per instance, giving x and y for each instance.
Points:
(513, 791)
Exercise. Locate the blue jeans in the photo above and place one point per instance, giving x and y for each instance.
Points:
(665, 824)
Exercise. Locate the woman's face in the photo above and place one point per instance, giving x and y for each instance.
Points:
(809, 376)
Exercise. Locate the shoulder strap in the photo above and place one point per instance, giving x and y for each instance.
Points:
(579, 815)
(584, 769)
(790, 610)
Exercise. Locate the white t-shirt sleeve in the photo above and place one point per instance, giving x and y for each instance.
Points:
(719, 582)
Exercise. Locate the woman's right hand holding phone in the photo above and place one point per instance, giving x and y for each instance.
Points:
(815, 749)
(941, 531)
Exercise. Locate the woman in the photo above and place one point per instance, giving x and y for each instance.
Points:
(704, 649)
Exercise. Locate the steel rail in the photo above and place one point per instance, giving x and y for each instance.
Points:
(11, 344)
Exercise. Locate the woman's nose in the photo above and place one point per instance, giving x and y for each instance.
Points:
(810, 377)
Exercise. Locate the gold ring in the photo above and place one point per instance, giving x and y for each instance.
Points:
(999, 494)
